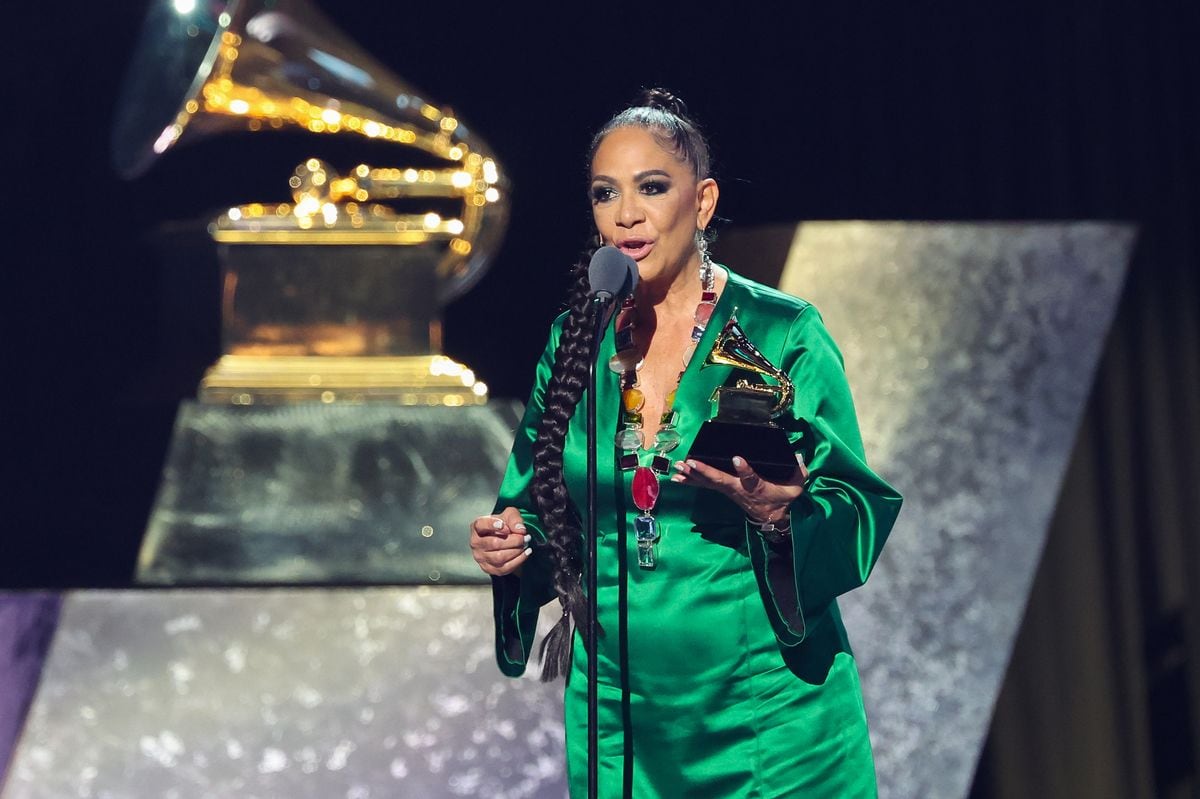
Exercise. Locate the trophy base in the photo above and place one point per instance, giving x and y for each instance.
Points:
(765, 447)
(414, 380)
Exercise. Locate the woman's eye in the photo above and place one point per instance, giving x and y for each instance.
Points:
(655, 187)
(602, 194)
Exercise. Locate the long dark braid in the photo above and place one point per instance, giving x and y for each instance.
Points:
(666, 117)
(549, 489)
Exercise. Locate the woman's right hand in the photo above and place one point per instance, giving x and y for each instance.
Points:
(499, 542)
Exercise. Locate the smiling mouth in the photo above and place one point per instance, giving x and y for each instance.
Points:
(636, 249)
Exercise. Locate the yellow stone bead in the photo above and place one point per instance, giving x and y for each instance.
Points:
(633, 400)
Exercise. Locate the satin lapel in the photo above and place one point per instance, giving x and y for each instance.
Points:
(692, 399)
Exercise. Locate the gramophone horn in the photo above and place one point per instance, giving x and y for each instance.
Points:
(205, 66)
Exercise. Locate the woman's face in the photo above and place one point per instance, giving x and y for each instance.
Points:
(648, 203)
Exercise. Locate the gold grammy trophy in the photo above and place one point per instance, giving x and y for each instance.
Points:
(743, 424)
(335, 295)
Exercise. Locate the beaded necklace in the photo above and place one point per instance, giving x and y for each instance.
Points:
(630, 439)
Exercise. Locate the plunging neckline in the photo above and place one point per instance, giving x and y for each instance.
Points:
(648, 435)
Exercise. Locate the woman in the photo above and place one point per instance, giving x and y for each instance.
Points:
(724, 669)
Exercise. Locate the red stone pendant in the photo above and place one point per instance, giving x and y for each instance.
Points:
(645, 488)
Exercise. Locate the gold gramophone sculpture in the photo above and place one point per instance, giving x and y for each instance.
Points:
(334, 296)
(743, 424)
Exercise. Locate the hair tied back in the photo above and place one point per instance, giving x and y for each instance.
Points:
(662, 100)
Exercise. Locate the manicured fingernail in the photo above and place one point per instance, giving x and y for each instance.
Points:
(528, 552)
(528, 539)
(738, 461)
(518, 527)
(691, 464)
(498, 525)
(677, 478)
(678, 466)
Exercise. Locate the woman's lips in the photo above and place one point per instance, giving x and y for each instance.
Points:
(637, 249)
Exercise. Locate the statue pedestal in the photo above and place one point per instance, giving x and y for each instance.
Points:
(325, 494)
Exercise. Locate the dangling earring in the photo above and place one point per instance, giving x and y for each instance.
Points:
(599, 239)
(702, 247)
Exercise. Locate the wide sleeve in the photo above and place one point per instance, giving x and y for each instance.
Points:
(840, 523)
(516, 600)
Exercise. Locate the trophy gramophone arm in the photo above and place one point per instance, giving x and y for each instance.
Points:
(787, 395)
(390, 183)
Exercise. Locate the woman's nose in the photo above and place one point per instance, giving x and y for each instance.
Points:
(629, 211)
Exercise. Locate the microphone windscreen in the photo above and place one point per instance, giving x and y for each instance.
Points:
(611, 272)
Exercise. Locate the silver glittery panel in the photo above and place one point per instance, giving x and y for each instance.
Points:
(26, 625)
(356, 693)
(970, 351)
(325, 493)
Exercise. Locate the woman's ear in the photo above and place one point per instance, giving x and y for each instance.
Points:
(707, 193)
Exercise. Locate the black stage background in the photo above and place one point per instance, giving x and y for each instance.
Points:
(1069, 110)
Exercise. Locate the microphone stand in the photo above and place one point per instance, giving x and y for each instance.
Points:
(600, 303)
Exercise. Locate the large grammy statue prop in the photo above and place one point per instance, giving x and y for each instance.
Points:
(325, 444)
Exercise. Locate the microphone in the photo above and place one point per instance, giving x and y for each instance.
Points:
(611, 274)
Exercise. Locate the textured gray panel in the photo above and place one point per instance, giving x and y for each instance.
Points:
(362, 694)
(325, 494)
(970, 350)
(27, 622)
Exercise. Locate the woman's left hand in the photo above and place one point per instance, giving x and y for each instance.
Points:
(761, 499)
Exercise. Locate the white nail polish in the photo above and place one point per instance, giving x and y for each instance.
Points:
(497, 525)
(528, 551)
(528, 539)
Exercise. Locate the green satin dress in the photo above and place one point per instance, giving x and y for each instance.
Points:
(725, 671)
